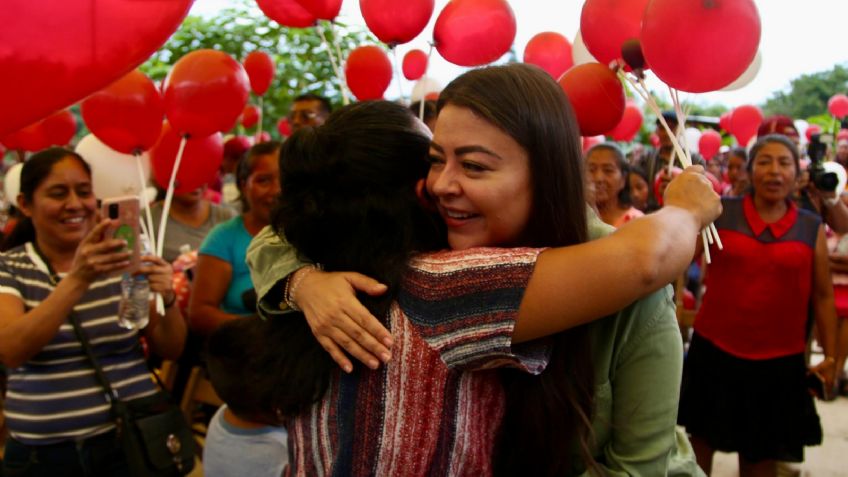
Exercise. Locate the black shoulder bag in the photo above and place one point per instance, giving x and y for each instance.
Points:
(155, 437)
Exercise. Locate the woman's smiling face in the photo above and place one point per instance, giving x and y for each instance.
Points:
(480, 180)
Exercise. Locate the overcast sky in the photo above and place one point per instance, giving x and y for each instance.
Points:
(798, 37)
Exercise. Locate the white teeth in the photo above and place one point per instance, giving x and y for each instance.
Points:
(457, 215)
(74, 220)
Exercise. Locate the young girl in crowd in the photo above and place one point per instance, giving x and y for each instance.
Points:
(607, 169)
(737, 173)
(744, 387)
(221, 277)
(57, 263)
(497, 179)
(638, 180)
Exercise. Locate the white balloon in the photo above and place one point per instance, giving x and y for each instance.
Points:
(12, 183)
(112, 174)
(841, 175)
(579, 53)
(423, 87)
(801, 126)
(692, 137)
(748, 75)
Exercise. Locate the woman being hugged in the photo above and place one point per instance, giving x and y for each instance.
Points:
(744, 387)
(60, 263)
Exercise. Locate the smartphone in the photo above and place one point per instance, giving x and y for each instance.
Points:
(815, 384)
(124, 212)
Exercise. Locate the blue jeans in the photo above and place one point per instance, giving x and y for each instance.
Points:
(96, 456)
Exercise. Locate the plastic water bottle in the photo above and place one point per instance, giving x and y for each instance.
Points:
(134, 309)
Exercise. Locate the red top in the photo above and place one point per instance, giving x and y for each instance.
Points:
(759, 286)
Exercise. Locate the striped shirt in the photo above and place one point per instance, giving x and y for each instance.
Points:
(55, 396)
(425, 412)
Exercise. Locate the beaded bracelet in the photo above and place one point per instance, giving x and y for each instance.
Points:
(294, 282)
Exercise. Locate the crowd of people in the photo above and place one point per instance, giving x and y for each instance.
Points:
(473, 295)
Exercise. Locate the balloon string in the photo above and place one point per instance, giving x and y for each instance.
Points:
(146, 203)
(397, 76)
(258, 136)
(169, 196)
(336, 64)
(643, 91)
(148, 228)
(423, 96)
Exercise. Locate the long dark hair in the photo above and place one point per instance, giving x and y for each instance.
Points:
(623, 168)
(548, 414)
(348, 202)
(33, 173)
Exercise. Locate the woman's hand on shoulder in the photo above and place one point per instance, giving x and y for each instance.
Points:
(692, 191)
(97, 255)
(337, 318)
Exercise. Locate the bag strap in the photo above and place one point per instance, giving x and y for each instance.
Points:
(111, 394)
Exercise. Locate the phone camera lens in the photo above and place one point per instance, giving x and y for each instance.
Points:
(113, 211)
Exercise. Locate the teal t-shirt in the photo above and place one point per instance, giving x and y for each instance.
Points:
(228, 241)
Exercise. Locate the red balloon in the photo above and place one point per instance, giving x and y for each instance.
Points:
(260, 69)
(724, 121)
(323, 9)
(838, 105)
(812, 129)
(250, 116)
(549, 51)
(236, 146)
(655, 140)
(709, 143)
(201, 159)
(284, 127)
(396, 22)
(60, 127)
(264, 136)
(414, 64)
(631, 122)
(606, 24)
(368, 72)
(205, 92)
(288, 13)
(126, 115)
(699, 45)
(474, 32)
(596, 95)
(744, 123)
(840, 136)
(47, 68)
(31, 138)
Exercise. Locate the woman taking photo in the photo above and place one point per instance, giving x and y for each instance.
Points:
(59, 263)
(607, 170)
(221, 277)
(745, 386)
(496, 180)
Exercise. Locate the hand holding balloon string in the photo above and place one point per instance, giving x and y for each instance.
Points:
(709, 235)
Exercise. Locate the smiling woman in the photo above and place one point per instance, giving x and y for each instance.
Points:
(57, 265)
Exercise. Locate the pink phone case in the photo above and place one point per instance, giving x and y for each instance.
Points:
(126, 211)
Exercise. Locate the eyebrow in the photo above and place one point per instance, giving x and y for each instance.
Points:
(466, 150)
